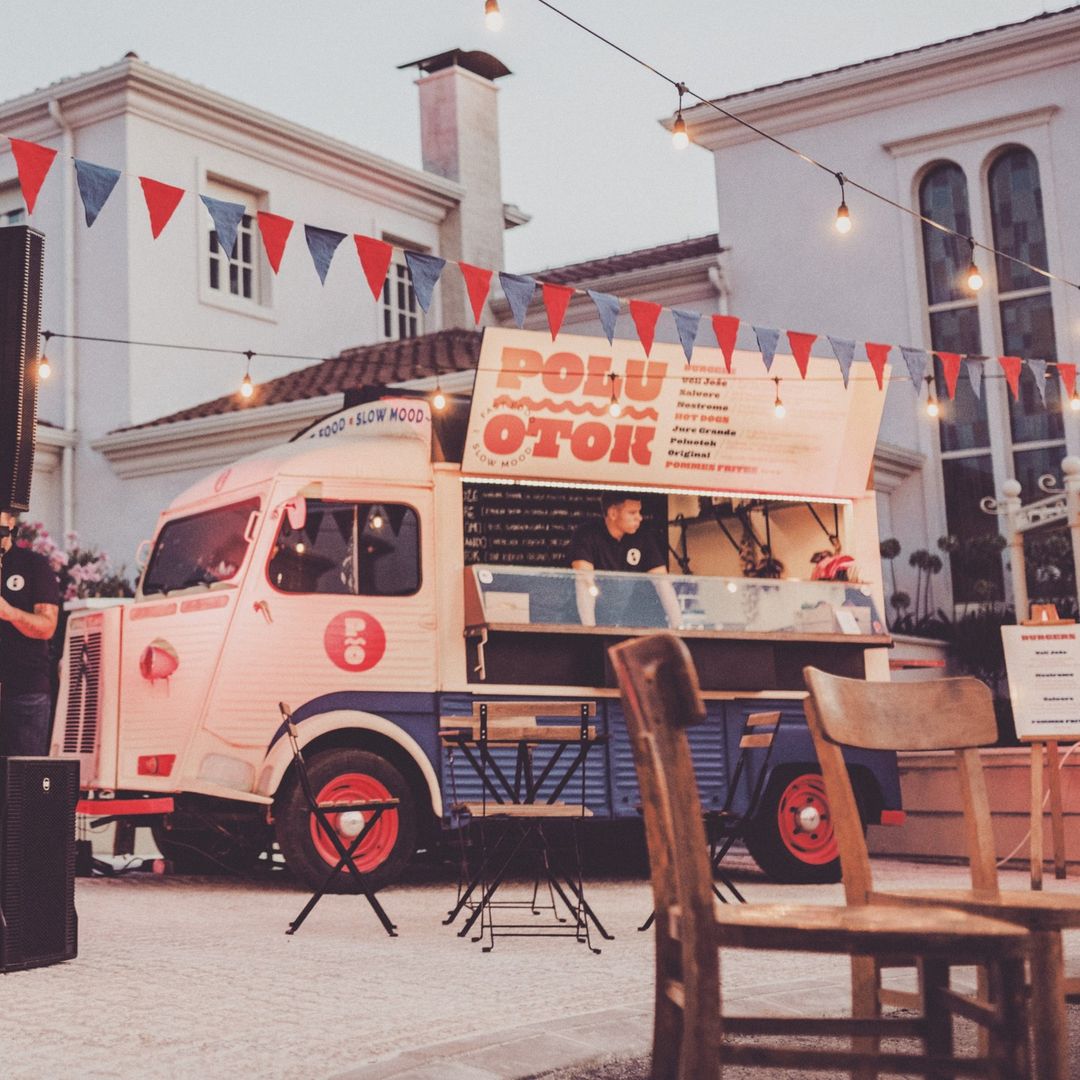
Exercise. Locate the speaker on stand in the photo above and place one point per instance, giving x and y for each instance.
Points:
(38, 923)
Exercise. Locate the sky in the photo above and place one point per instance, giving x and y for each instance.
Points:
(582, 149)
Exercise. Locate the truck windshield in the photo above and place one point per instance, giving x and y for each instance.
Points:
(200, 549)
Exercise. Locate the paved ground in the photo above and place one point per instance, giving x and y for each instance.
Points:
(194, 977)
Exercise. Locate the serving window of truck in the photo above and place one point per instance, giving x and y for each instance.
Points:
(388, 568)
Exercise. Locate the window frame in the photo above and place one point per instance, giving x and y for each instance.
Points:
(397, 277)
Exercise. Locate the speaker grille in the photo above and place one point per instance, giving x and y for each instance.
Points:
(82, 717)
(37, 861)
(22, 268)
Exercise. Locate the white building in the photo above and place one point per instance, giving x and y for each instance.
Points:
(114, 281)
(980, 133)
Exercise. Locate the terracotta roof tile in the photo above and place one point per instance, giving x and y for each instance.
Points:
(624, 263)
(367, 365)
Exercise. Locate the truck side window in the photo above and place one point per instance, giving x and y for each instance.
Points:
(357, 549)
(200, 549)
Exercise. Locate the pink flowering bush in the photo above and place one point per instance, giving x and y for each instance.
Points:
(83, 572)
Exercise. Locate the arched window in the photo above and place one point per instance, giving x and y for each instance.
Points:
(967, 468)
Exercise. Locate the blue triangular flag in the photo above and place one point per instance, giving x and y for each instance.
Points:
(767, 339)
(424, 270)
(973, 365)
(607, 307)
(226, 217)
(518, 291)
(96, 184)
(844, 351)
(1038, 369)
(322, 243)
(687, 322)
(916, 360)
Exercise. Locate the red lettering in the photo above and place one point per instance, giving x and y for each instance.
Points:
(515, 363)
(620, 449)
(563, 372)
(644, 381)
(504, 434)
(590, 441)
(641, 449)
(598, 381)
(548, 432)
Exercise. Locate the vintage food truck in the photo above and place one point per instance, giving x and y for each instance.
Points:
(386, 568)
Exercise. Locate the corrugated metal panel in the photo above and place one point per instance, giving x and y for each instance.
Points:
(82, 712)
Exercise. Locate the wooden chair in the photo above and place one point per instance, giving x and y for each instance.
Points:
(945, 714)
(692, 1038)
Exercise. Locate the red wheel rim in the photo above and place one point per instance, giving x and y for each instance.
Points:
(815, 845)
(377, 845)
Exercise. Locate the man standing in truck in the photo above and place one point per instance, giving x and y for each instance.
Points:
(615, 542)
(29, 607)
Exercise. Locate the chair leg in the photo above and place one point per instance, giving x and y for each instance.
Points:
(1008, 1048)
(667, 1016)
(937, 1017)
(865, 1004)
(1048, 1005)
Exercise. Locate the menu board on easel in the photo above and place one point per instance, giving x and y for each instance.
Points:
(1043, 666)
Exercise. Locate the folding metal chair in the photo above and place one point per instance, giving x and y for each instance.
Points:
(372, 810)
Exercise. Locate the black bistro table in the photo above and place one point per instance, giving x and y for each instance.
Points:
(520, 801)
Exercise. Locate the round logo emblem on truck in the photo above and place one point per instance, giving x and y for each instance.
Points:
(355, 641)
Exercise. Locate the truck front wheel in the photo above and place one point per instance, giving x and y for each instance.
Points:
(346, 774)
(791, 837)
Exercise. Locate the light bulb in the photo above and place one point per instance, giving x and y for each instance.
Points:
(44, 368)
(615, 409)
(732, 587)
(1074, 402)
(300, 549)
(377, 521)
(778, 410)
(492, 15)
(247, 388)
(843, 219)
(594, 590)
(974, 278)
(438, 402)
(932, 408)
(680, 139)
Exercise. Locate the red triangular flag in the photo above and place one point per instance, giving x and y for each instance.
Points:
(1011, 366)
(1068, 377)
(801, 344)
(556, 300)
(950, 366)
(161, 201)
(477, 284)
(878, 355)
(32, 161)
(375, 256)
(274, 231)
(726, 329)
(645, 313)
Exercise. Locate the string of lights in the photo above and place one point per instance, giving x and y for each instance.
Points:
(680, 138)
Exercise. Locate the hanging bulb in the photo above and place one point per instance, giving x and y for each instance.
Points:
(843, 215)
(44, 369)
(247, 387)
(778, 406)
(1074, 402)
(614, 408)
(594, 589)
(492, 15)
(732, 587)
(679, 137)
(974, 276)
(933, 409)
(438, 401)
(300, 548)
(376, 520)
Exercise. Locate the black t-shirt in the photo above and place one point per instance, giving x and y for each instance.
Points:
(28, 579)
(593, 543)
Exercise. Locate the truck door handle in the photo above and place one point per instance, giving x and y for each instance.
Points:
(264, 607)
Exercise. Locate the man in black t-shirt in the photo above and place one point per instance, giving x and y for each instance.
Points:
(614, 542)
(29, 607)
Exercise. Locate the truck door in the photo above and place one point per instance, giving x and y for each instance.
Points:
(342, 599)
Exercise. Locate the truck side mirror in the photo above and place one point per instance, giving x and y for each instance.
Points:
(296, 512)
(142, 554)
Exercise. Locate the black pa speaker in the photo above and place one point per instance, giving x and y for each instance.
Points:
(38, 924)
(22, 265)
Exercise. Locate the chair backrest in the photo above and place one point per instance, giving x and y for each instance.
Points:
(758, 734)
(943, 714)
(661, 699)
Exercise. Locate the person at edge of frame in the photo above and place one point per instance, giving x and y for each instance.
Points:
(612, 542)
(29, 607)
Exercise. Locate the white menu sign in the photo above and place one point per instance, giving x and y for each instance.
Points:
(543, 410)
(1043, 664)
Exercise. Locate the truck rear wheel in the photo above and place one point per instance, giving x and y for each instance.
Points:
(792, 837)
(347, 774)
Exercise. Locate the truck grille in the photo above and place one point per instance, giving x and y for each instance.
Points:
(83, 715)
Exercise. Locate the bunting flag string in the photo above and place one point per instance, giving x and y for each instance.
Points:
(96, 183)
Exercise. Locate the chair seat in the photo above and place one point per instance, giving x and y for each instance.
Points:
(369, 804)
(863, 931)
(526, 810)
(1033, 910)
